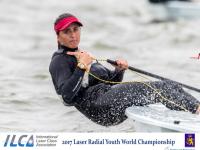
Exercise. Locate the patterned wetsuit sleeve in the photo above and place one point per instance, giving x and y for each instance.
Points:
(116, 75)
(66, 82)
(104, 73)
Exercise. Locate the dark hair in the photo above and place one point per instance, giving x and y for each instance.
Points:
(64, 15)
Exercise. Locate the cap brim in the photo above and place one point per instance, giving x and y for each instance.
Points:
(68, 24)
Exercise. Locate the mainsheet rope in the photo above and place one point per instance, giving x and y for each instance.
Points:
(157, 91)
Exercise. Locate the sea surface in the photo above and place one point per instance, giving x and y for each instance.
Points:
(112, 29)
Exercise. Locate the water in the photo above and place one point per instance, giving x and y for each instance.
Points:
(112, 29)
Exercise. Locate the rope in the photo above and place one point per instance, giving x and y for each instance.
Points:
(157, 91)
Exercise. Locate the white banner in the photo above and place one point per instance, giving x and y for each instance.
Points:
(83, 141)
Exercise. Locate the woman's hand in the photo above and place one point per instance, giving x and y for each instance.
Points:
(82, 57)
(121, 64)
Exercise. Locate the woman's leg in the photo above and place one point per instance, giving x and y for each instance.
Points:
(175, 94)
(99, 113)
(107, 107)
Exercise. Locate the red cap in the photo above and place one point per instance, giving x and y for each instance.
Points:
(65, 22)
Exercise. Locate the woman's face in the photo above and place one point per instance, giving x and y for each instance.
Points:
(70, 37)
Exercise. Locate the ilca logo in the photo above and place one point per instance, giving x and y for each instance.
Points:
(189, 140)
(22, 141)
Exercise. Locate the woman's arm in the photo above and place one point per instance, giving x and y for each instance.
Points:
(66, 82)
(120, 68)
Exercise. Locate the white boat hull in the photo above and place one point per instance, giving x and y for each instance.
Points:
(143, 127)
(158, 118)
(175, 10)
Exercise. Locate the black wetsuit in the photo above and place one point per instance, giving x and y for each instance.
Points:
(103, 103)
